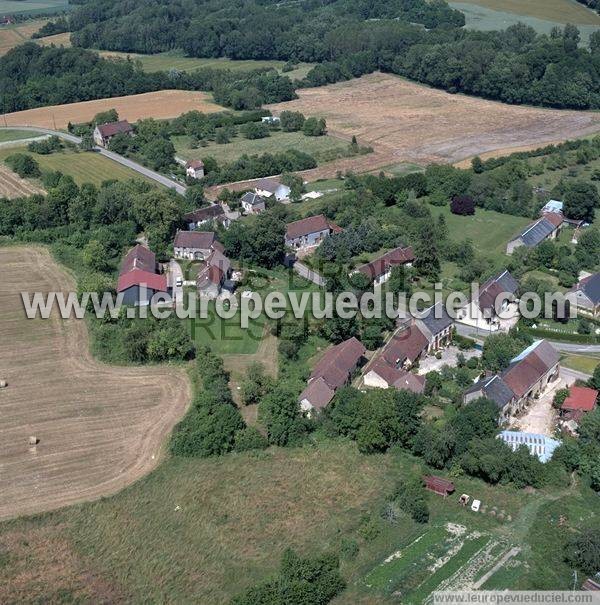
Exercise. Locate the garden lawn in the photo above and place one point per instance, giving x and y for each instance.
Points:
(84, 167)
(15, 135)
(582, 363)
(323, 149)
(488, 230)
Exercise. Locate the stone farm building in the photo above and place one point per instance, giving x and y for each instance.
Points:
(197, 218)
(546, 227)
(332, 371)
(103, 133)
(252, 203)
(481, 311)
(587, 295)
(421, 336)
(380, 269)
(195, 245)
(309, 232)
(139, 278)
(527, 376)
(195, 169)
(273, 188)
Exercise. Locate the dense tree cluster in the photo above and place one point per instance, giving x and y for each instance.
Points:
(299, 581)
(213, 422)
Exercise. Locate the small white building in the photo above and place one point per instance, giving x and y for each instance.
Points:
(195, 169)
(252, 203)
(273, 188)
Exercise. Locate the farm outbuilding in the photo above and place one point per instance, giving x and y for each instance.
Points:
(438, 485)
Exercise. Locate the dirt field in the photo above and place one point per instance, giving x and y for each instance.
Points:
(14, 35)
(99, 427)
(13, 186)
(408, 122)
(161, 104)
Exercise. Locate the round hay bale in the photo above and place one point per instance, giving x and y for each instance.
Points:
(3, 384)
(33, 440)
(501, 516)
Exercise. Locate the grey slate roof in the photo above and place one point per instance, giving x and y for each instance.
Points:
(436, 319)
(537, 232)
(590, 286)
(253, 199)
(494, 388)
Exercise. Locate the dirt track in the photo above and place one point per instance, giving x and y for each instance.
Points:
(408, 122)
(100, 427)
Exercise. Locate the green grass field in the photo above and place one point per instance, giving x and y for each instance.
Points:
(83, 167)
(582, 363)
(13, 7)
(489, 231)
(322, 148)
(176, 60)
(541, 15)
(15, 135)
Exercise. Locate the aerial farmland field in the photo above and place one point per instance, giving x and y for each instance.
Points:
(99, 427)
(13, 186)
(160, 104)
(13, 35)
(408, 122)
(83, 167)
(32, 7)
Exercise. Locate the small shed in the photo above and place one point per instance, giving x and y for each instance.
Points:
(438, 485)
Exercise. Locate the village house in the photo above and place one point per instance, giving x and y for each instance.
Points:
(587, 295)
(214, 274)
(309, 232)
(526, 378)
(332, 371)
(197, 218)
(481, 312)
(273, 188)
(252, 203)
(437, 326)
(380, 269)
(195, 245)
(538, 445)
(139, 278)
(195, 169)
(546, 227)
(103, 133)
(422, 335)
(580, 401)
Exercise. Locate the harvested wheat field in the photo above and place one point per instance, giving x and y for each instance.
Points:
(13, 186)
(13, 35)
(99, 427)
(160, 105)
(408, 122)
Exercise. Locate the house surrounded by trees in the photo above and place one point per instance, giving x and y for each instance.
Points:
(103, 133)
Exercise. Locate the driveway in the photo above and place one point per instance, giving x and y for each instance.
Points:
(432, 363)
(176, 274)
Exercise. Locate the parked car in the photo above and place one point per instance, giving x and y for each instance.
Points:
(475, 506)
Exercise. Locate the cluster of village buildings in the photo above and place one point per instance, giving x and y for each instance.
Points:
(529, 375)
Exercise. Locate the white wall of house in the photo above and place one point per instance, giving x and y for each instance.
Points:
(372, 379)
(191, 253)
(195, 173)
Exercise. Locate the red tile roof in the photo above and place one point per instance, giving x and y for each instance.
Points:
(581, 399)
(195, 164)
(139, 257)
(202, 240)
(306, 226)
(318, 393)
(113, 128)
(529, 367)
(381, 265)
(554, 217)
(407, 343)
(138, 277)
(338, 362)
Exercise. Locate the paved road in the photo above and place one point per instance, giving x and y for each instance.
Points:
(570, 376)
(151, 174)
(570, 347)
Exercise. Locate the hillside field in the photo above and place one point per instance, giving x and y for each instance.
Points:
(99, 427)
(84, 167)
(13, 35)
(32, 7)
(12, 186)
(408, 122)
(160, 105)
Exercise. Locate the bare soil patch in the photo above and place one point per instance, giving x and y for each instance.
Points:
(408, 122)
(13, 186)
(99, 427)
(161, 105)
